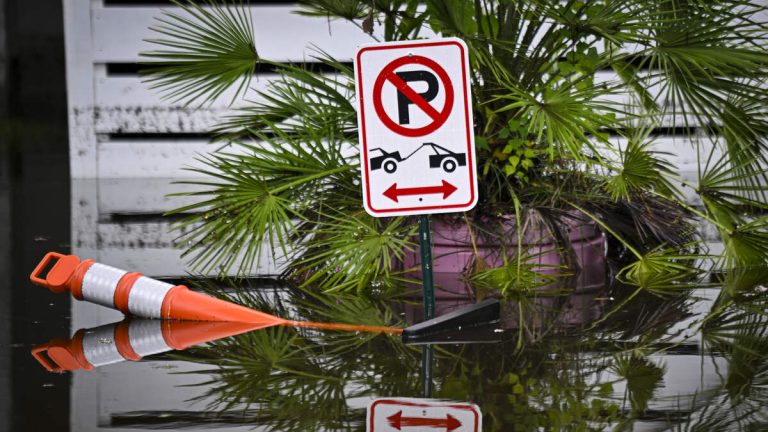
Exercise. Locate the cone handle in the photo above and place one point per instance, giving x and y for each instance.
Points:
(63, 267)
(45, 360)
(61, 355)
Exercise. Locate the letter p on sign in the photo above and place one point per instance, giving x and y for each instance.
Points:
(417, 149)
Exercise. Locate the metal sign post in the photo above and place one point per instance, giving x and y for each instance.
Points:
(425, 247)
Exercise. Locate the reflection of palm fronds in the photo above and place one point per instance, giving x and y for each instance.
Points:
(300, 379)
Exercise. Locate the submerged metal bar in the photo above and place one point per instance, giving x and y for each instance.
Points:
(427, 361)
(425, 247)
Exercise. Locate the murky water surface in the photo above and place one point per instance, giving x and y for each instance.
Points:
(605, 356)
(602, 358)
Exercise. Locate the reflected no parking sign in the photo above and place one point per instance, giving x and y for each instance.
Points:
(417, 151)
(416, 415)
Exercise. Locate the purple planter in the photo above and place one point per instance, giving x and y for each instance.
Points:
(453, 253)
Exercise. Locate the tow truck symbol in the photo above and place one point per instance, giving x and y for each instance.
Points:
(443, 158)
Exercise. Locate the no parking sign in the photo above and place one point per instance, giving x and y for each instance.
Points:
(417, 150)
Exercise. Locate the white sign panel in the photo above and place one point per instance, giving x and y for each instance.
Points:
(408, 414)
(417, 149)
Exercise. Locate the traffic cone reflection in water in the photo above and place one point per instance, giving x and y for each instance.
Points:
(141, 296)
(130, 339)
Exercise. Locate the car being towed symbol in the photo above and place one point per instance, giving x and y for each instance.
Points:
(443, 158)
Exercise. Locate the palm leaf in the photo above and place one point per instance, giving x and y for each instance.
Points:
(640, 169)
(208, 50)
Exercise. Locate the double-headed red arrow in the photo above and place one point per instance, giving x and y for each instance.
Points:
(397, 421)
(394, 193)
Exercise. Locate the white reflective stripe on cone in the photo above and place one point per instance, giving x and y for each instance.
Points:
(146, 297)
(99, 346)
(146, 337)
(99, 284)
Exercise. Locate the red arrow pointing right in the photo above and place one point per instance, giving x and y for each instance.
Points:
(394, 193)
(398, 422)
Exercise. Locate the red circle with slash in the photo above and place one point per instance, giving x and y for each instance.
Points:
(388, 74)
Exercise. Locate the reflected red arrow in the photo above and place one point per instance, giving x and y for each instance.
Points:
(394, 193)
(397, 421)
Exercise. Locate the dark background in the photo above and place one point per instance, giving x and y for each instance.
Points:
(34, 209)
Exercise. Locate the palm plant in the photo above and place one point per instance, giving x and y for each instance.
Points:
(568, 100)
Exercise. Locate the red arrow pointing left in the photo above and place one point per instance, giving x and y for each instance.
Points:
(398, 422)
(394, 193)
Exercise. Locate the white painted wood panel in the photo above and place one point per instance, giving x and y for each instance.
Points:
(152, 119)
(280, 34)
(142, 195)
(132, 90)
(157, 159)
(148, 158)
(78, 46)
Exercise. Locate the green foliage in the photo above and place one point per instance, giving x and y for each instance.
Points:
(522, 274)
(207, 51)
(661, 269)
(547, 121)
(640, 169)
(643, 377)
(354, 252)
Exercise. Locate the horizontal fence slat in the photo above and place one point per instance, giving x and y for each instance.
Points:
(133, 90)
(157, 119)
(121, 159)
(163, 262)
(280, 34)
(126, 196)
(126, 104)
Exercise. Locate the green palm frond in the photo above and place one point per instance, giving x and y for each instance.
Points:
(207, 50)
(663, 269)
(241, 214)
(731, 187)
(354, 251)
(704, 54)
(745, 131)
(520, 275)
(564, 118)
(300, 99)
(255, 199)
(747, 244)
(640, 169)
(334, 8)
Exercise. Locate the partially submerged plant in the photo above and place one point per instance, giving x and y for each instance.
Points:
(551, 136)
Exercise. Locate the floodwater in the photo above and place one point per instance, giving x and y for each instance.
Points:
(603, 358)
(606, 357)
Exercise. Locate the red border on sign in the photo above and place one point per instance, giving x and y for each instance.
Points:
(468, 127)
(386, 74)
(467, 407)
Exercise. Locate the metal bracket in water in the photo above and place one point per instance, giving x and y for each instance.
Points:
(480, 319)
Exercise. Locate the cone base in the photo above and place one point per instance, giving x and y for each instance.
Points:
(183, 304)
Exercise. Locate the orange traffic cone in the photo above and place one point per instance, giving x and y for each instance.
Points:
(130, 340)
(134, 294)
